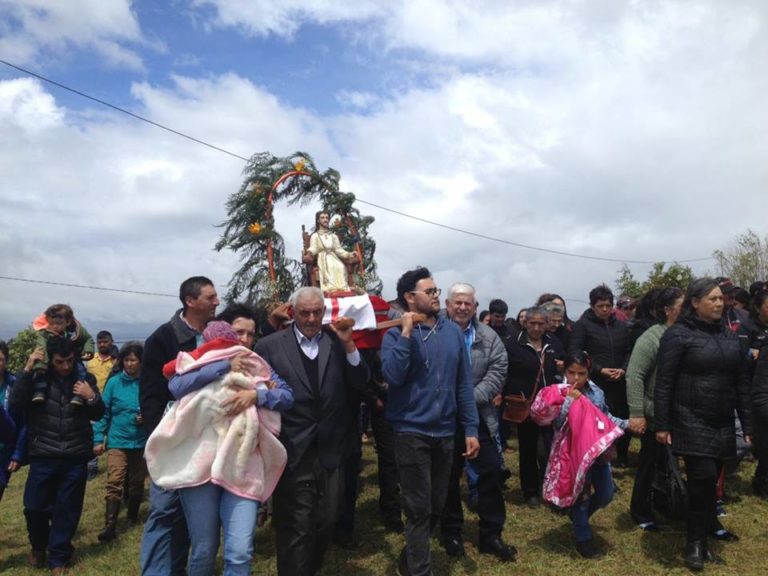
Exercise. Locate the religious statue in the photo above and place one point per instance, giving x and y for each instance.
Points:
(331, 257)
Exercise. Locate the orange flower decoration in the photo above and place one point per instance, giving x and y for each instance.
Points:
(255, 228)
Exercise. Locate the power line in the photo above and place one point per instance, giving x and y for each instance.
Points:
(380, 207)
(124, 111)
(101, 288)
(518, 244)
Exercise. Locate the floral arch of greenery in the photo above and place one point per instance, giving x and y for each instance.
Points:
(266, 275)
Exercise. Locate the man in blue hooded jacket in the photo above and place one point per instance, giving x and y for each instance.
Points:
(426, 367)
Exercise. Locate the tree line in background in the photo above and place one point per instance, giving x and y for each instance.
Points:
(744, 261)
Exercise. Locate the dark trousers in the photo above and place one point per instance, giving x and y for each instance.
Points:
(650, 453)
(760, 448)
(306, 506)
(389, 482)
(616, 398)
(351, 471)
(53, 503)
(702, 474)
(490, 499)
(528, 456)
(424, 464)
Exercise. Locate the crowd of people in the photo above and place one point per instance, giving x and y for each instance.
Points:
(227, 428)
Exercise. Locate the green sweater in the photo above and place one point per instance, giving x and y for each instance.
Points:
(641, 374)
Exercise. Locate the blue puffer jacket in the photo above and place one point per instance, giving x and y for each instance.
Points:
(430, 381)
(121, 399)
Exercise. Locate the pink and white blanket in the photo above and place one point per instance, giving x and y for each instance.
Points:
(585, 436)
(196, 442)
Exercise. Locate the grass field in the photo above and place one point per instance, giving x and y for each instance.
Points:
(543, 538)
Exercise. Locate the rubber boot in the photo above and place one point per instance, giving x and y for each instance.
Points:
(110, 521)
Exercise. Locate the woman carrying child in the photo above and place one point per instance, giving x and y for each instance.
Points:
(218, 445)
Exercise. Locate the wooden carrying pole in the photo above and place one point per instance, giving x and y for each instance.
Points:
(399, 321)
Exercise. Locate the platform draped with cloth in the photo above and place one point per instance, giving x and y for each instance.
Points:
(358, 308)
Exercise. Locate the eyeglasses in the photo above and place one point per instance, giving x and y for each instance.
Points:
(431, 292)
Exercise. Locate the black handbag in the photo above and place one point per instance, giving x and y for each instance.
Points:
(669, 492)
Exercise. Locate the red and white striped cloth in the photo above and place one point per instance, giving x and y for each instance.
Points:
(357, 307)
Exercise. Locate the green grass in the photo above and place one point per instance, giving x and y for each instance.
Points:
(543, 538)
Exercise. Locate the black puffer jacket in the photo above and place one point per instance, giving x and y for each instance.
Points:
(56, 428)
(606, 342)
(701, 377)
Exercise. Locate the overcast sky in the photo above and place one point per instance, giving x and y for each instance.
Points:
(621, 130)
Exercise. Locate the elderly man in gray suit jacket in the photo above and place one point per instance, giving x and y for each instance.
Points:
(324, 368)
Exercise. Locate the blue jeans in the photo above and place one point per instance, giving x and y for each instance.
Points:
(208, 508)
(53, 503)
(598, 493)
(165, 544)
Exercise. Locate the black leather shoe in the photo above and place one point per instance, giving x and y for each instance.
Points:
(497, 547)
(694, 555)
(725, 536)
(454, 546)
(532, 501)
(587, 549)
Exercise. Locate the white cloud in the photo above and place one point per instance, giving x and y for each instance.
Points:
(25, 106)
(360, 100)
(42, 29)
(284, 18)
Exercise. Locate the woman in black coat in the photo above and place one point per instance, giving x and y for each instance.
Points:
(606, 339)
(531, 367)
(701, 378)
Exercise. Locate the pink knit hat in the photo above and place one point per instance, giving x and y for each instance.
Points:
(219, 329)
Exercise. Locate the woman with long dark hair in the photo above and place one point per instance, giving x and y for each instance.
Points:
(641, 379)
(701, 378)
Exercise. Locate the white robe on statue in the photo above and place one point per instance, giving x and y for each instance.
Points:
(325, 245)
